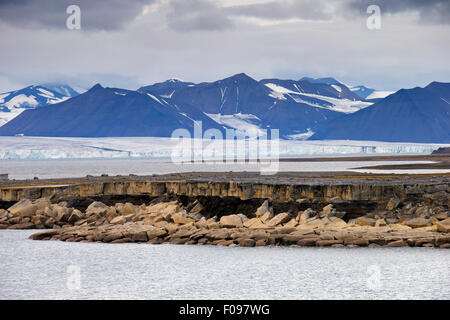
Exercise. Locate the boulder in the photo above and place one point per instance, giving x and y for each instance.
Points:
(197, 208)
(62, 214)
(263, 209)
(392, 204)
(156, 233)
(164, 207)
(337, 222)
(444, 225)
(266, 216)
(25, 225)
(278, 219)
(23, 208)
(75, 216)
(257, 225)
(250, 222)
(441, 215)
(97, 208)
(327, 211)
(417, 222)
(140, 236)
(365, 221)
(128, 208)
(291, 223)
(118, 220)
(231, 221)
(305, 215)
(43, 234)
(181, 218)
(246, 242)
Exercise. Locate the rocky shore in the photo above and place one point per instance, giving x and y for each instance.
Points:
(168, 219)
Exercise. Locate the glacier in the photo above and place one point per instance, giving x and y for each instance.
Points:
(43, 148)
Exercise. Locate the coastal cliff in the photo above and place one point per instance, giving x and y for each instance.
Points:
(319, 211)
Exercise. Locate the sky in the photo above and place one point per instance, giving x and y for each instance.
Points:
(133, 43)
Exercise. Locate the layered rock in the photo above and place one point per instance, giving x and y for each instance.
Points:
(403, 224)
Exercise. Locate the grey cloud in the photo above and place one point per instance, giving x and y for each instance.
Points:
(307, 9)
(430, 11)
(51, 14)
(194, 15)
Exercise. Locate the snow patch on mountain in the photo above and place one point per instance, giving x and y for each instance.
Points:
(379, 94)
(339, 105)
(238, 121)
(301, 136)
(15, 102)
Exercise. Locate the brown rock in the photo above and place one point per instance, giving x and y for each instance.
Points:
(97, 208)
(305, 215)
(397, 243)
(291, 223)
(250, 222)
(231, 221)
(290, 239)
(181, 218)
(23, 208)
(112, 236)
(43, 234)
(140, 236)
(307, 242)
(26, 225)
(326, 243)
(326, 211)
(392, 204)
(417, 222)
(156, 233)
(444, 225)
(441, 215)
(365, 221)
(118, 220)
(128, 208)
(278, 219)
(260, 243)
(263, 209)
(246, 242)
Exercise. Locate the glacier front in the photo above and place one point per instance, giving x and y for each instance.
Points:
(42, 148)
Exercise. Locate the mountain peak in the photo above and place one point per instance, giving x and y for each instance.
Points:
(327, 80)
(96, 86)
(241, 76)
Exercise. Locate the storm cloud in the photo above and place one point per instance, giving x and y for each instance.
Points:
(51, 14)
(430, 11)
(138, 42)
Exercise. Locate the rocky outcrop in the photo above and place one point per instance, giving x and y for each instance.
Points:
(418, 224)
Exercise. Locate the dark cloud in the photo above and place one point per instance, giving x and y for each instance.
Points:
(192, 15)
(430, 11)
(51, 14)
(307, 9)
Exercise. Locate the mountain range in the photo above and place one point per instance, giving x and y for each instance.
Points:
(321, 108)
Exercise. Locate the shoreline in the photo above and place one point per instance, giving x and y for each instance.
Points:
(323, 209)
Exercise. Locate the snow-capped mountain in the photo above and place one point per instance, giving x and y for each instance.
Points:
(15, 102)
(295, 107)
(301, 109)
(409, 115)
(104, 112)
